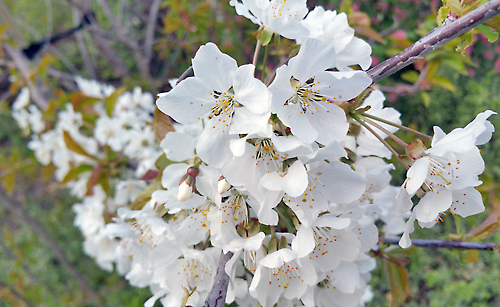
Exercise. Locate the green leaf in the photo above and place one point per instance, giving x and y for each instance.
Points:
(9, 182)
(75, 171)
(47, 171)
(410, 76)
(112, 99)
(145, 195)
(162, 162)
(471, 256)
(490, 35)
(455, 6)
(103, 180)
(443, 83)
(398, 279)
(426, 99)
(74, 146)
(94, 178)
(494, 23)
(455, 64)
(466, 40)
(442, 14)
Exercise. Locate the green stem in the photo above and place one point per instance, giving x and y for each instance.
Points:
(394, 153)
(286, 218)
(398, 126)
(390, 134)
(264, 63)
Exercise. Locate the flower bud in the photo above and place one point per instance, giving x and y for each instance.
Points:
(223, 185)
(187, 184)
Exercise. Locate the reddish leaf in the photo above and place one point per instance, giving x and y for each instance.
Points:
(96, 172)
(162, 125)
(150, 175)
(400, 288)
(487, 227)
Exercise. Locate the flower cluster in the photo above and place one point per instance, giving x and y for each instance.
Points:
(290, 177)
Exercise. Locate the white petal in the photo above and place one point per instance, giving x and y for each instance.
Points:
(467, 202)
(416, 175)
(433, 203)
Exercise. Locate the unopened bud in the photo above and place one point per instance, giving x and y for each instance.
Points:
(185, 192)
(223, 185)
(187, 184)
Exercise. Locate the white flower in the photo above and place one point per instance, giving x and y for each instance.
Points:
(334, 29)
(448, 173)
(281, 274)
(305, 94)
(232, 99)
(275, 16)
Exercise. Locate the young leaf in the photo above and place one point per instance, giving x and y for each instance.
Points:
(490, 35)
(47, 171)
(398, 279)
(73, 145)
(96, 173)
(471, 256)
(466, 40)
(426, 99)
(112, 99)
(443, 83)
(9, 182)
(145, 195)
(162, 124)
(75, 171)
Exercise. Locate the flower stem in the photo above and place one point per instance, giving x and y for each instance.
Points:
(390, 134)
(264, 63)
(256, 53)
(394, 153)
(398, 126)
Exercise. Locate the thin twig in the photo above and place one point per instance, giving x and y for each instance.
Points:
(434, 40)
(82, 48)
(444, 244)
(134, 46)
(184, 75)
(17, 294)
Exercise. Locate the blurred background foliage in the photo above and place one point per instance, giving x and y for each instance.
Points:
(145, 43)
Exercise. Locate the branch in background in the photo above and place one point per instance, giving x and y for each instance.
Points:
(142, 62)
(150, 30)
(217, 296)
(445, 244)
(17, 294)
(434, 40)
(21, 63)
(19, 209)
(401, 89)
(82, 48)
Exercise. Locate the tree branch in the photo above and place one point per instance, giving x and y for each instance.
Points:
(21, 63)
(444, 244)
(434, 40)
(217, 296)
(150, 30)
(142, 62)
